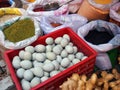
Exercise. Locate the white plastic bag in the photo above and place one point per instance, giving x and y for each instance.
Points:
(102, 48)
(102, 6)
(74, 6)
(10, 45)
(113, 12)
(60, 11)
(73, 20)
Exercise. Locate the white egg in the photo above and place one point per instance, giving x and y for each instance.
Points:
(49, 48)
(44, 54)
(84, 57)
(16, 62)
(64, 42)
(69, 49)
(40, 57)
(28, 75)
(26, 64)
(71, 64)
(61, 48)
(21, 54)
(58, 40)
(32, 69)
(27, 56)
(59, 58)
(25, 85)
(37, 64)
(62, 68)
(34, 56)
(46, 74)
(47, 61)
(48, 67)
(49, 40)
(38, 71)
(35, 81)
(64, 53)
(57, 49)
(75, 49)
(71, 57)
(53, 73)
(40, 48)
(66, 36)
(51, 55)
(74, 61)
(70, 43)
(20, 72)
(65, 62)
(44, 78)
(29, 49)
(56, 64)
(79, 55)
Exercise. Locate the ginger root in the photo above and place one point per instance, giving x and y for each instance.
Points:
(82, 82)
(69, 85)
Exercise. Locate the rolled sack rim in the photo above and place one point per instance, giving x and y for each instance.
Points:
(113, 12)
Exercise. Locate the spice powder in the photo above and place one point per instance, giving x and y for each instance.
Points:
(20, 30)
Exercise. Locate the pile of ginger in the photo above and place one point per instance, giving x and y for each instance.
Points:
(103, 81)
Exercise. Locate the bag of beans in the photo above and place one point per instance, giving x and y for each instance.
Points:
(19, 32)
(96, 9)
(115, 14)
(53, 23)
(73, 5)
(43, 8)
(102, 36)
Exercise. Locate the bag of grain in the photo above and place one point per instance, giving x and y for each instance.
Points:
(19, 32)
(102, 36)
(44, 8)
(96, 9)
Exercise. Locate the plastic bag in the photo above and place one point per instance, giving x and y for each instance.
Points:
(10, 45)
(73, 20)
(114, 14)
(74, 6)
(60, 11)
(102, 48)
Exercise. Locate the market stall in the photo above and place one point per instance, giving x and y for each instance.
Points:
(59, 44)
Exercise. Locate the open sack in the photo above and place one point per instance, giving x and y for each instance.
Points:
(102, 60)
(94, 11)
(73, 5)
(73, 21)
(17, 45)
(60, 11)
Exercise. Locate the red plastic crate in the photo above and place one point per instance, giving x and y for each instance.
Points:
(84, 67)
